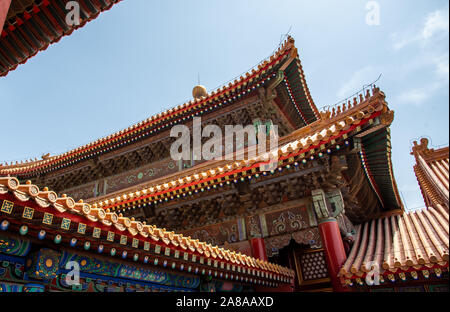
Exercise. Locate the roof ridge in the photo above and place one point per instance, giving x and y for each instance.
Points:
(287, 45)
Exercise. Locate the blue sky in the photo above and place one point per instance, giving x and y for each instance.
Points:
(144, 56)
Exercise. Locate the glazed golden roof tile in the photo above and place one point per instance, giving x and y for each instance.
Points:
(12, 185)
(408, 240)
(432, 172)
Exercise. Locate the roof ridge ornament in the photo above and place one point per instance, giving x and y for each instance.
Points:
(421, 148)
(199, 92)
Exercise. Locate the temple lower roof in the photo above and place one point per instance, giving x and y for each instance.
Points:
(135, 233)
(404, 243)
(410, 241)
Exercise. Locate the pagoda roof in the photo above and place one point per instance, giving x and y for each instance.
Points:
(13, 194)
(399, 243)
(432, 172)
(284, 59)
(325, 135)
(32, 26)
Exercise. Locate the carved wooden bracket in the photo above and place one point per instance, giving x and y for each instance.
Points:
(327, 205)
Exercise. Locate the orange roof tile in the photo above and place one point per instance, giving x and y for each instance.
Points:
(414, 240)
(432, 172)
(64, 204)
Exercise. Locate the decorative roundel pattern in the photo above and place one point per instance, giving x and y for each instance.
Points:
(313, 266)
(52, 196)
(34, 190)
(13, 183)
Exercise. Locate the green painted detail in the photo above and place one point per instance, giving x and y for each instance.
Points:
(376, 147)
(23, 230)
(57, 239)
(14, 247)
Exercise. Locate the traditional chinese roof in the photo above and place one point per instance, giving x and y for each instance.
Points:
(136, 238)
(408, 241)
(403, 242)
(328, 134)
(432, 172)
(283, 67)
(32, 25)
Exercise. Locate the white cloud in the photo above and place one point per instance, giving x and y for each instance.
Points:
(360, 77)
(400, 43)
(414, 96)
(442, 67)
(418, 96)
(430, 44)
(435, 27)
(436, 23)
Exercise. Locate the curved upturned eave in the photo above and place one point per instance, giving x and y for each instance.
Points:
(29, 32)
(378, 163)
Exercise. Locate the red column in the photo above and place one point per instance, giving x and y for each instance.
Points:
(259, 248)
(334, 250)
(259, 252)
(4, 7)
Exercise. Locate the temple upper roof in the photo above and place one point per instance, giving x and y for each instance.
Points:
(316, 132)
(322, 136)
(282, 67)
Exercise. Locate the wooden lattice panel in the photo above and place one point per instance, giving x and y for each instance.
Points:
(313, 266)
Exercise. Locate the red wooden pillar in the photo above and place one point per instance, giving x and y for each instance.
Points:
(4, 7)
(259, 252)
(259, 248)
(334, 250)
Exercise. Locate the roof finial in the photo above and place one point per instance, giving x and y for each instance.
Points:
(199, 91)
